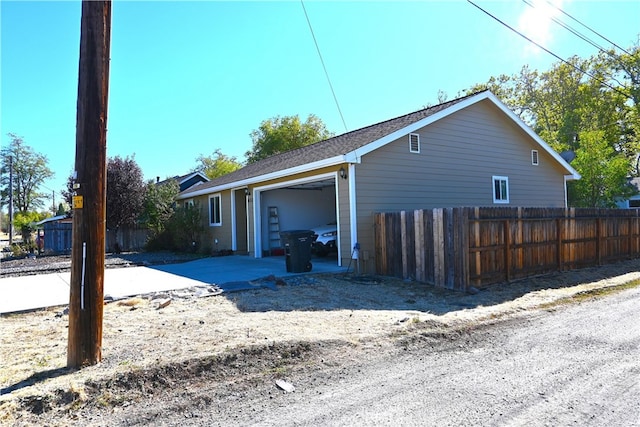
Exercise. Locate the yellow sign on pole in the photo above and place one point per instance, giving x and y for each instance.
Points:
(77, 202)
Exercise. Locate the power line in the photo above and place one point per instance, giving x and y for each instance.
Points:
(609, 53)
(573, 31)
(587, 27)
(323, 66)
(626, 95)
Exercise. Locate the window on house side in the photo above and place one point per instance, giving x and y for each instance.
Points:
(414, 143)
(534, 157)
(215, 211)
(500, 189)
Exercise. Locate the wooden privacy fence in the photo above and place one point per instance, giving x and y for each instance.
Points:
(460, 247)
(57, 238)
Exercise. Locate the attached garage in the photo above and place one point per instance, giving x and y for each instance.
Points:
(448, 155)
(301, 204)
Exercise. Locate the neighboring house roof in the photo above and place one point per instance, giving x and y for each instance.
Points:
(351, 146)
(186, 181)
(54, 219)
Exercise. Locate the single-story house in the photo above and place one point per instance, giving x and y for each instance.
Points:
(471, 151)
(632, 202)
(186, 181)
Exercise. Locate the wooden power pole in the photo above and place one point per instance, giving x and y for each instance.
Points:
(89, 201)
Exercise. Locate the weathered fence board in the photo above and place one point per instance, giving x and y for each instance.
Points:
(459, 247)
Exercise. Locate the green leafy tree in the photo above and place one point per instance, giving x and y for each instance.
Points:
(25, 222)
(569, 103)
(159, 204)
(280, 134)
(125, 193)
(30, 170)
(68, 191)
(185, 228)
(604, 173)
(217, 164)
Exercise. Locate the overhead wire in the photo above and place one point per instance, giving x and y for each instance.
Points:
(573, 31)
(583, 37)
(626, 95)
(587, 27)
(326, 73)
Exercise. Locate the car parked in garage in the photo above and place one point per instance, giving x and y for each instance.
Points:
(324, 239)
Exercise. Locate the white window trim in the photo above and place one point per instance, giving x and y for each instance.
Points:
(535, 158)
(219, 223)
(493, 188)
(417, 135)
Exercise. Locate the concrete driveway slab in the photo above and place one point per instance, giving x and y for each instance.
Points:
(49, 290)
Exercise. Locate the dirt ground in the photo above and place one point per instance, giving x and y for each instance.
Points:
(239, 336)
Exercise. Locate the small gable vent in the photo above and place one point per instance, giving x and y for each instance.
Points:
(414, 143)
(534, 157)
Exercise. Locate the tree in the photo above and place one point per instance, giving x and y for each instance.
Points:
(68, 191)
(159, 204)
(30, 170)
(25, 222)
(125, 192)
(217, 164)
(604, 173)
(280, 134)
(185, 228)
(589, 106)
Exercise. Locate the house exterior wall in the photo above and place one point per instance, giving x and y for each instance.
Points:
(458, 157)
(210, 233)
(311, 218)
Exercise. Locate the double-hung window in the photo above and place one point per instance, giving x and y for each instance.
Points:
(500, 189)
(215, 210)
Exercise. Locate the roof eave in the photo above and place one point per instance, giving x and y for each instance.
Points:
(358, 153)
(332, 161)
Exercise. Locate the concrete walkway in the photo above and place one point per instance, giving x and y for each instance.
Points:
(48, 290)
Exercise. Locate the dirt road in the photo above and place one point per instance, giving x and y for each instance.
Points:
(575, 365)
(339, 339)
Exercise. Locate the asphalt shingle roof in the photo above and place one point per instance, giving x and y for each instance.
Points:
(335, 146)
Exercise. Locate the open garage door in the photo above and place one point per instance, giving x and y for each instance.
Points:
(309, 204)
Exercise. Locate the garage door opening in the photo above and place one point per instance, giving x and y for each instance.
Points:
(308, 205)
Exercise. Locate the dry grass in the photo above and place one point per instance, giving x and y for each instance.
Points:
(360, 311)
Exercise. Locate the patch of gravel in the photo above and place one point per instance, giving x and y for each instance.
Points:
(40, 264)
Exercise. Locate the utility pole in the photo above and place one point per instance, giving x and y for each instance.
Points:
(86, 298)
(10, 200)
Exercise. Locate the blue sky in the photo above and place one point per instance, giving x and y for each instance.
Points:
(190, 77)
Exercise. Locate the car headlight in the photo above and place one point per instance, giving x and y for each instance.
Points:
(330, 234)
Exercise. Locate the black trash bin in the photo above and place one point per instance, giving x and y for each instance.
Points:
(297, 250)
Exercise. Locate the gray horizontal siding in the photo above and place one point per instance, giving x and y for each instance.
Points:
(458, 157)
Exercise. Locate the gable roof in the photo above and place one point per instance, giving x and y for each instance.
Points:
(183, 180)
(351, 146)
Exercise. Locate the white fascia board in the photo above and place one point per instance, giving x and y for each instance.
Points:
(418, 125)
(357, 154)
(332, 161)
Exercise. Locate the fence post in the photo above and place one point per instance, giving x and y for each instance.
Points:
(418, 221)
(559, 250)
(598, 241)
(403, 238)
(507, 250)
(438, 248)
